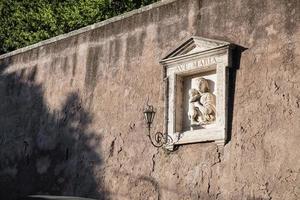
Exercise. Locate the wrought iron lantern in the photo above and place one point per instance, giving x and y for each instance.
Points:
(158, 139)
(149, 114)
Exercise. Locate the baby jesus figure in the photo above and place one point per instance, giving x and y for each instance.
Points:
(194, 113)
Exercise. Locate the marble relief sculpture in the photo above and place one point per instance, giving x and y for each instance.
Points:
(202, 109)
(196, 91)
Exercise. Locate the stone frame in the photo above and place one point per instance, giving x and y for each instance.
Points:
(194, 56)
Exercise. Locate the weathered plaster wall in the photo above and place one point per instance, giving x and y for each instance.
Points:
(71, 110)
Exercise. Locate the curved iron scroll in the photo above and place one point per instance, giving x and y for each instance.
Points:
(160, 139)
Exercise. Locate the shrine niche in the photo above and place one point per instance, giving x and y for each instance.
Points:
(196, 75)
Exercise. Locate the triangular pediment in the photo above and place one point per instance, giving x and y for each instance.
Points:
(194, 45)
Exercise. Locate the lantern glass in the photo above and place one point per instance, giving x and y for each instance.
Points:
(149, 114)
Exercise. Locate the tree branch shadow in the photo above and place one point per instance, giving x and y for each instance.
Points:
(43, 150)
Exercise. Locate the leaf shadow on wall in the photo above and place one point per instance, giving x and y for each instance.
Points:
(44, 151)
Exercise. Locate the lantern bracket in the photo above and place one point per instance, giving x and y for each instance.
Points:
(158, 139)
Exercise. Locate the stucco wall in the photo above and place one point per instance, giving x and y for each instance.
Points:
(71, 118)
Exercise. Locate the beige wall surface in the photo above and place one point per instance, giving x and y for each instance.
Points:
(71, 119)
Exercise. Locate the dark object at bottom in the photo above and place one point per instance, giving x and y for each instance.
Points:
(47, 197)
